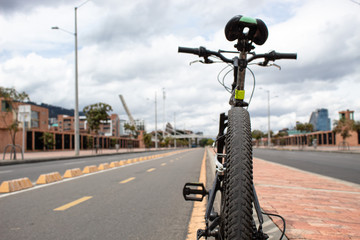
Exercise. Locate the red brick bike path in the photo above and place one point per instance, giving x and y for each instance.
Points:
(314, 206)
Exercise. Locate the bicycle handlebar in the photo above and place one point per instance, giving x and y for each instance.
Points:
(203, 52)
(189, 50)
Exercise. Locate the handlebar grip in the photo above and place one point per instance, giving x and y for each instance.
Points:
(195, 51)
(286, 55)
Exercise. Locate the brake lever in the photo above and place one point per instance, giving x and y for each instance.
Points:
(207, 61)
(275, 65)
(266, 64)
(200, 61)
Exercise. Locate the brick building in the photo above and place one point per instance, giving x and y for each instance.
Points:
(323, 138)
(37, 123)
(111, 127)
(34, 117)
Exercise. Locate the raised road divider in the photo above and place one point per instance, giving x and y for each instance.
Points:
(15, 185)
(49, 178)
(75, 172)
(114, 164)
(103, 166)
(90, 169)
(23, 183)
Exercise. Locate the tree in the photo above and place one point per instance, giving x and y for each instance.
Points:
(168, 141)
(147, 140)
(11, 98)
(48, 139)
(132, 129)
(279, 137)
(96, 113)
(344, 127)
(304, 127)
(206, 142)
(257, 134)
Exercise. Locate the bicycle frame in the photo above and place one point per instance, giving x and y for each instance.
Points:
(213, 220)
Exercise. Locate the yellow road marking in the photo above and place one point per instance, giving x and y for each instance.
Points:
(127, 180)
(76, 202)
(151, 169)
(163, 164)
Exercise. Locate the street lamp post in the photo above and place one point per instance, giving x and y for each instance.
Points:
(164, 121)
(77, 137)
(76, 111)
(174, 130)
(269, 136)
(156, 139)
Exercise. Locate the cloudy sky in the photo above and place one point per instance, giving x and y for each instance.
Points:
(129, 47)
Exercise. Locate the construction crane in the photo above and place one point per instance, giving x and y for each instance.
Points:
(131, 119)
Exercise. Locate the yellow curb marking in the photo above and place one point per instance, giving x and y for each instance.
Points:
(151, 169)
(163, 164)
(127, 180)
(74, 203)
(197, 219)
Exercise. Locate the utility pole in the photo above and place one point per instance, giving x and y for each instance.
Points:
(164, 121)
(76, 114)
(156, 139)
(269, 140)
(174, 130)
(76, 111)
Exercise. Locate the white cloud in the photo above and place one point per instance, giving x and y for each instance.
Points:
(131, 49)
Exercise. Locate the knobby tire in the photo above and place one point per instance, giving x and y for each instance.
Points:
(237, 193)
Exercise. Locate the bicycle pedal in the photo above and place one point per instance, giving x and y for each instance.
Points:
(191, 192)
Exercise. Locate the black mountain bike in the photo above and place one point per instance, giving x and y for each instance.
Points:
(234, 166)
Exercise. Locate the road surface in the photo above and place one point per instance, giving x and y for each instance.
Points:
(138, 201)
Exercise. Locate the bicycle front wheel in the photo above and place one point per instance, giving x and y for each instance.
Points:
(236, 210)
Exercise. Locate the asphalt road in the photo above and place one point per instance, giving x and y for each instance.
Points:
(342, 166)
(138, 201)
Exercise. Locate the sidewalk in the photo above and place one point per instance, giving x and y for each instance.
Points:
(314, 206)
(58, 155)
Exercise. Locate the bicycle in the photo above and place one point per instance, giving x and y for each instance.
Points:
(234, 166)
